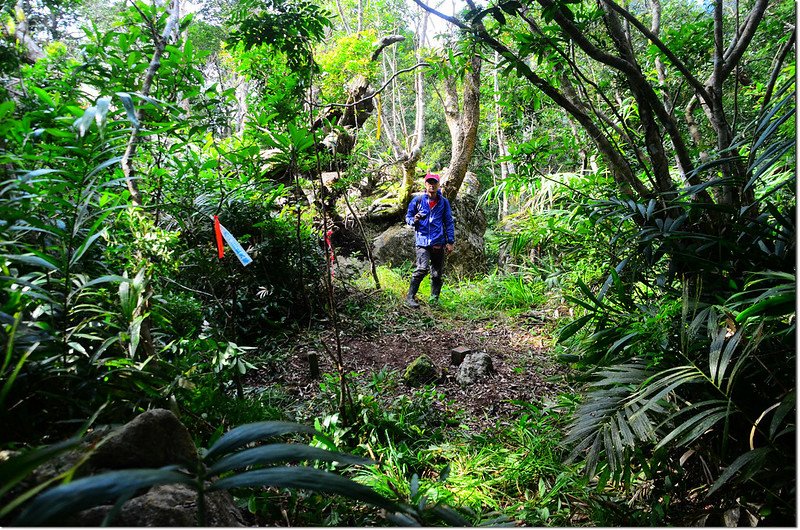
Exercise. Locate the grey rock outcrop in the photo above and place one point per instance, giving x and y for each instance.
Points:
(469, 257)
(153, 439)
(168, 505)
(473, 368)
(395, 245)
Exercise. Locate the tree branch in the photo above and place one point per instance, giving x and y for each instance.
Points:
(737, 47)
(622, 173)
(676, 62)
(577, 35)
(776, 68)
(381, 89)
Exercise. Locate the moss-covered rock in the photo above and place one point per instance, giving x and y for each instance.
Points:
(421, 371)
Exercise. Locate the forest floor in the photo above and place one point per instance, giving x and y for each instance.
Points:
(525, 370)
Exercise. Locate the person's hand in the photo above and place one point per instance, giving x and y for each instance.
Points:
(418, 216)
(449, 248)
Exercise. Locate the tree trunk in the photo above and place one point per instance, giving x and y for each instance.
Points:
(463, 125)
(130, 152)
(31, 51)
(506, 166)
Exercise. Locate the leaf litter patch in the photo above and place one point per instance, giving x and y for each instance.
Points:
(525, 370)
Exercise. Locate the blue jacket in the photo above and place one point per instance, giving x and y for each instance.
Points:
(437, 227)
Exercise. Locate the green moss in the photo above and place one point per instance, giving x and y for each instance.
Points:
(421, 371)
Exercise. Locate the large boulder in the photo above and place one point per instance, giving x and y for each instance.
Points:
(396, 244)
(154, 438)
(469, 256)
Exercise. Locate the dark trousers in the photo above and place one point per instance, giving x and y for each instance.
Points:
(429, 259)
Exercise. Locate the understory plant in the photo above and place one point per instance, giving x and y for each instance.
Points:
(688, 347)
(233, 462)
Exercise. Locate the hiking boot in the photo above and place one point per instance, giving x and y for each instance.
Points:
(412, 292)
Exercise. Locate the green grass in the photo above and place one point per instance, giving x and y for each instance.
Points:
(516, 470)
(470, 299)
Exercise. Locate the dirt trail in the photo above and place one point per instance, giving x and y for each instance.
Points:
(524, 368)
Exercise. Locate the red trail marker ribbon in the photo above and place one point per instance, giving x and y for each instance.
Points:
(328, 235)
(218, 234)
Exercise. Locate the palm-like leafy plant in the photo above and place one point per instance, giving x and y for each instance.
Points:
(720, 381)
(55, 200)
(237, 460)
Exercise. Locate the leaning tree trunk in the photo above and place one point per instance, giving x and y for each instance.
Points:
(463, 124)
(31, 52)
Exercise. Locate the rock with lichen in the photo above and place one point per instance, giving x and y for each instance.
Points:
(420, 372)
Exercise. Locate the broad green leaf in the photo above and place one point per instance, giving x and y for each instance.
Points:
(573, 327)
(44, 97)
(450, 516)
(104, 165)
(130, 110)
(109, 278)
(32, 260)
(753, 457)
(695, 426)
(785, 300)
(87, 243)
(53, 504)
(268, 454)
(101, 117)
(304, 478)
(30, 175)
(134, 330)
(6, 108)
(16, 469)
(727, 354)
(621, 342)
(251, 432)
(85, 122)
(789, 403)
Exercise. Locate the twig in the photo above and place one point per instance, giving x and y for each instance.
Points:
(381, 89)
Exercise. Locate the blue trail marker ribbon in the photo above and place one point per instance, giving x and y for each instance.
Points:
(243, 256)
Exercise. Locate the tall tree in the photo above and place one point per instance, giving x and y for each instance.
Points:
(462, 121)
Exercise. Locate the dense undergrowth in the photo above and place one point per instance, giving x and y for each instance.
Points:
(514, 471)
(679, 305)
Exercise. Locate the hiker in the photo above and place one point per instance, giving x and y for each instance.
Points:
(429, 213)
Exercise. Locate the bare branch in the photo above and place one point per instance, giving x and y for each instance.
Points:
(388, 40)
(737, 47)
(381, 89)
(441, 15)
(578, 35)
